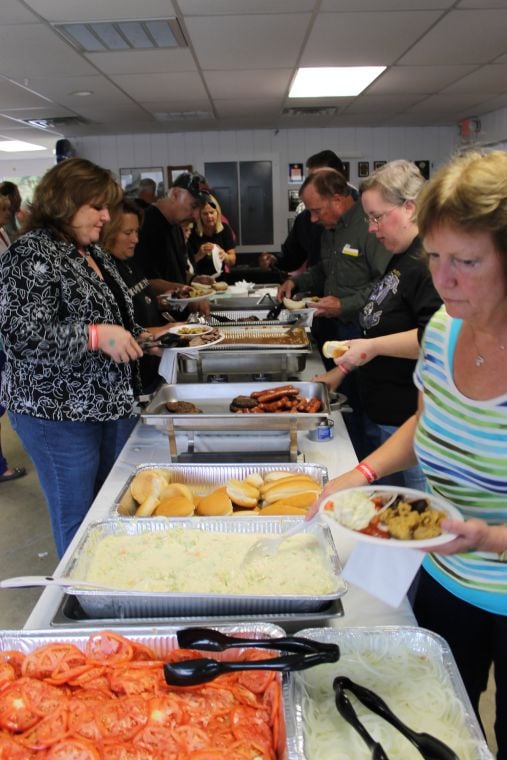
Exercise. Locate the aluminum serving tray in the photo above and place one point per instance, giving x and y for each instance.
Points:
(162, 640)
(241, 318)
(248, 338)
(214, 400)
(204, 478)
(380, 639)
(125, 604)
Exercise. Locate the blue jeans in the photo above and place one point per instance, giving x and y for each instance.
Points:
(412, 477)
(72, 460)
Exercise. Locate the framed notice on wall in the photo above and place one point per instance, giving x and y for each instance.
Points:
(296, 173)
(293, 200)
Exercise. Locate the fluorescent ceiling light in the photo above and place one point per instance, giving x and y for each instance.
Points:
(138, 34)
(16, 146)
(333, 82)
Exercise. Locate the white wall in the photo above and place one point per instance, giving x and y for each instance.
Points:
(281, 147)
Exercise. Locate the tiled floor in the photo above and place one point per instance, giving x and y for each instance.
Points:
(26, 548)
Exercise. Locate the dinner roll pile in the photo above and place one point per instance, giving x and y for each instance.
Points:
(275, 493)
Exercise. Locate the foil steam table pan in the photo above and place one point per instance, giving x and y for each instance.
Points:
(162, 640)
(214, 403)
(204, 478)
(129, 603)
(380, 640)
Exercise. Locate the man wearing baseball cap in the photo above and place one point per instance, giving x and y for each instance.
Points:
(161, 252)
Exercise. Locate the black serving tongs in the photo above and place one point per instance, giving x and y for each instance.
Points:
(201, 670)
(168, 340)
(429, 746)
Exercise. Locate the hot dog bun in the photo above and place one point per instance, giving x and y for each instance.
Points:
(301, 500)
(177, 506)
(292, 484)
(333, 349)
(282, 508)
(215, 503)
(242, 493)
(270, 477)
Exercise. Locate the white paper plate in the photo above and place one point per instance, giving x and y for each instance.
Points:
(166, 298)
(186, 349)
(393, 543)
(217, 261)
(180, 330)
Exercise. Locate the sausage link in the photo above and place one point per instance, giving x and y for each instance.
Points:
(314, 405)
(284, 388)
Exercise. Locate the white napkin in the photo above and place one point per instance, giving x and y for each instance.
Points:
(383, 573)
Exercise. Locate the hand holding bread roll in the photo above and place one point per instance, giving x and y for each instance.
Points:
(334, 349)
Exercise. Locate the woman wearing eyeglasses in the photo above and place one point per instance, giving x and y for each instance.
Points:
(395, 313)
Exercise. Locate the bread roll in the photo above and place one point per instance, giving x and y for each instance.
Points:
(246, 512)
(177, 506)
(270, 477)
(301, 500)
(215, 503)
(176, 489)
(286, 487)
(145, 483)
(242, 493)
(333, 349)
(128, 504)
(281, 508)
(254, 479)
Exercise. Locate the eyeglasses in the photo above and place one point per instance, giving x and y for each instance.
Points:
(378, 219)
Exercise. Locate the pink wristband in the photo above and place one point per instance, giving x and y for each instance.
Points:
(94, 337)
(370, 475)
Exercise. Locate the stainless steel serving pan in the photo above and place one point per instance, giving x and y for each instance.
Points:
(125, 604)
(204, 478)
(214, 400)
(419, 641)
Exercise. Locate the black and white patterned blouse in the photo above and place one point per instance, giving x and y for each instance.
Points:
(48, 298)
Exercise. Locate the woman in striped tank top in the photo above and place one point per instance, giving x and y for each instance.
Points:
(459, 433)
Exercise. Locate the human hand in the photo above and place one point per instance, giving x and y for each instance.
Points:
(118, 343)
(285, 289)
(203, 279)
(470, 534)
(332, 378)
(329, 306)
(360, 351)
(203, 307)
(267, 260)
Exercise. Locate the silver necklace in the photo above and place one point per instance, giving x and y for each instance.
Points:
(479, 358)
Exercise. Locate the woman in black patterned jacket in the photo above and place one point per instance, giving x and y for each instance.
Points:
(69, 334)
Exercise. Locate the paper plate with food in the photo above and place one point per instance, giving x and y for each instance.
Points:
(203, 340)
(391, 516)
(305, 303)
(184, 295)
(189, 331)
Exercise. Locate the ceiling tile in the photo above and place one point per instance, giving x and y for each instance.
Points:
(15, 96)
(221, 7)
(456, 39)
(446, 103)
(99, 10)
(366, 39)
(13, 12)
(417, 79)
(248, 107)
(156, 86)
(234, 84)
(143, 61)
(243, 42)
(488, 79)
(384, 5)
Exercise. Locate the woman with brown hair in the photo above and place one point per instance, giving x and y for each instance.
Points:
(68, 328)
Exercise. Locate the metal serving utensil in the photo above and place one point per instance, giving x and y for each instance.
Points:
(204, 669)
(429, 746)
(267, 547)
(24, 581)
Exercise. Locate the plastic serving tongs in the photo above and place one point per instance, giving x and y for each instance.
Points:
(201, 670)
(429, 747)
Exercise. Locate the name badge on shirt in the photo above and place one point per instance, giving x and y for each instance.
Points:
(347, 250)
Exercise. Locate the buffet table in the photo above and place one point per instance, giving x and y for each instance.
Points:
(150, 445)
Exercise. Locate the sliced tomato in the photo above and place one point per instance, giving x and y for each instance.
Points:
(16, 714)
(47, 731)
(13, 658)
(249, 750)
(124, 751)
(92, 694)
(166, 711)
(256, 681)
(191, 738)
(245, 696)
(140, 680)
(142, 652)
(251, 725)
(51, 659)
(72, 748)
(206, 754)
(108, 647)
(43, 698)
(121, 718)
(84, 720)
(157, 738)
(10, 749)
(7, 674)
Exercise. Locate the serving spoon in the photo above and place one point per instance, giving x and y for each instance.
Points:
(62, 581)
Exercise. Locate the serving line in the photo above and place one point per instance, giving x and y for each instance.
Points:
(148, 444)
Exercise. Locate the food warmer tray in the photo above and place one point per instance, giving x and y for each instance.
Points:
(379, 639)
(239, 318)
(124, 604)
(71, 614)
(265, 337)
(204, 478)
(162, 640)
(214, 400)
(238, 361)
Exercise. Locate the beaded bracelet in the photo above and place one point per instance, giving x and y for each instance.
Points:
(370, 475)
(93, 333)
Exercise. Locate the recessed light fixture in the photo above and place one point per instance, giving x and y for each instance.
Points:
(333, 82)
(136, 34)
(81, 93)
(16, 146)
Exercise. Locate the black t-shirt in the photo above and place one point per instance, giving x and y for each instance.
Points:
(302, 244)
(403, 299)
(146, 313)
(160, 253)
(224, 239)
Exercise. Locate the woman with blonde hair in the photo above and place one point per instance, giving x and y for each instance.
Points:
(458, 434)
(211, 234)
(69, 334)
